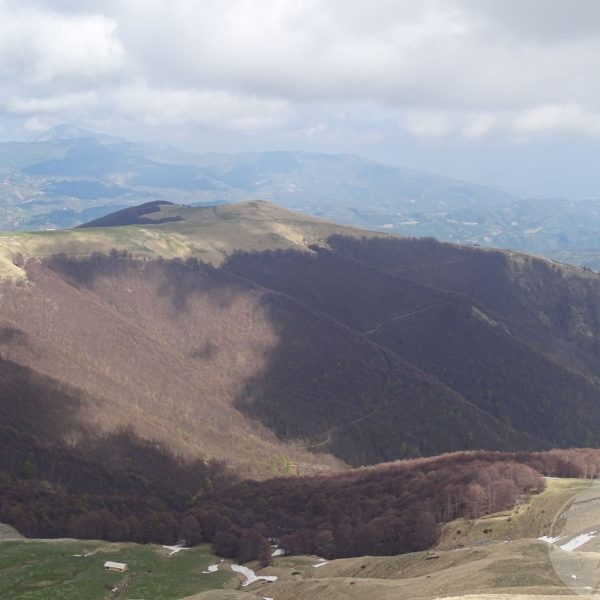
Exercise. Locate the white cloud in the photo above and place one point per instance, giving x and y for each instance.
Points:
(557, 118)
(429, 124)
(52, 104)
(39, 124)
(478, 126)
(465, 69)
(39, 46)
(213, 109)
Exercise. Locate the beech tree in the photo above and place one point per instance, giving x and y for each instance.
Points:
(191, 531)
(252, 546)
(226, 544)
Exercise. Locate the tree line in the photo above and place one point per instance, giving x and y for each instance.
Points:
(383, 510)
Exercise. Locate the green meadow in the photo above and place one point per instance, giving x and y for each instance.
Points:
(40, 570)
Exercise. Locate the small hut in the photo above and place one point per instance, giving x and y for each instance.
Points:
(116, 567)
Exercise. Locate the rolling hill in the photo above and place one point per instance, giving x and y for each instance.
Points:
(69, 176)
(277, 342)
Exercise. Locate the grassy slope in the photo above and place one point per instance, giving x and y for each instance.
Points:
(522, 566)
(48, 570)
(530, 520)
(9, 533)
(207, 233)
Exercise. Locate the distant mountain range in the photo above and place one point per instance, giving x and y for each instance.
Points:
(69, 176)
(273, 340)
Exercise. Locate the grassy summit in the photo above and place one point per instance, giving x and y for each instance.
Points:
(210, 234)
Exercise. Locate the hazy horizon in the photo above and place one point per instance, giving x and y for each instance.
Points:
(497, 92)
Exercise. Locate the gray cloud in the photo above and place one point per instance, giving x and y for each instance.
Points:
(316, 70)
(538, 20)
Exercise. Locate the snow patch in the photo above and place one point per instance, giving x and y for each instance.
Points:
(251, 576)
(175, 549)
(578, 541)
(212, 568)
(548, 539)
(322, 562)
(278, 552)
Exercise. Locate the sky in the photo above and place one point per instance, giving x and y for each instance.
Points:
(501, 92)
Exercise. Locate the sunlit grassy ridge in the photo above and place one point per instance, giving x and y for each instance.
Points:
(209, 234)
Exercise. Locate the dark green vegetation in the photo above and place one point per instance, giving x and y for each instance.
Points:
(54, 571)
(72, 176)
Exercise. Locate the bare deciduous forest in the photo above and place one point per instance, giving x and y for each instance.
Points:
(382, 510)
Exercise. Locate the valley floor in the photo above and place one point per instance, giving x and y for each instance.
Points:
(73, 570)
(499, 557)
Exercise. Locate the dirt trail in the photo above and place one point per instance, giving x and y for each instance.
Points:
(383, 394)
(404, 316)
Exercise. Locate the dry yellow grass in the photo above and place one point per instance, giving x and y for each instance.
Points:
(210, 234)
(510, 597)
(530, 520)
(520, 569)
(521, 566)
(221, 595)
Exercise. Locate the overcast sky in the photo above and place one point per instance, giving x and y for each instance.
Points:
(506, 92)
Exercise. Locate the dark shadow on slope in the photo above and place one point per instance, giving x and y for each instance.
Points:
(328, 385)
(325, 385)
(180, 278)
(554, 308)
(480, 358)
(136, 215)
(445, 334)
(40, 416)
(389, 408)
(84, 271)
(12, 335)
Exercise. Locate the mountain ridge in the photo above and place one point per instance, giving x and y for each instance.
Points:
(74, 176)
(249, 333)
